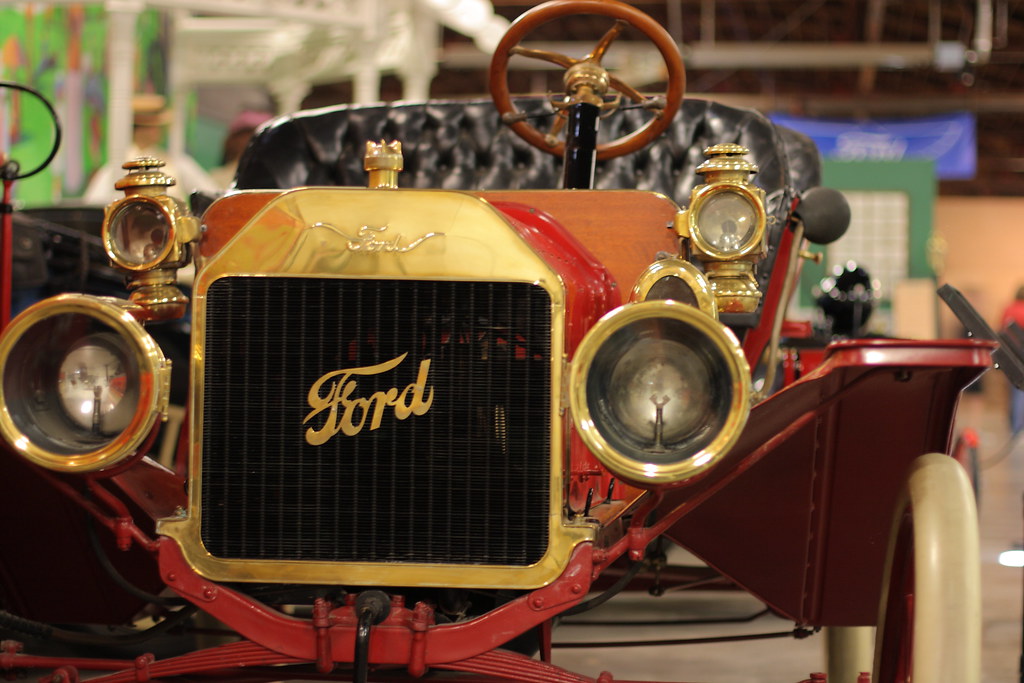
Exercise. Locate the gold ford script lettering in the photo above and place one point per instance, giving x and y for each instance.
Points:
(347, 412)
(374, 240)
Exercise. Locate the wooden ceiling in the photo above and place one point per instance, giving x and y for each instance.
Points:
(832, 58)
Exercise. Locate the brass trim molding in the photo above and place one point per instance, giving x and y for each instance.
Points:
(685, 271)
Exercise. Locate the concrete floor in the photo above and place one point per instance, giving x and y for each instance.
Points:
(787, 660)
(1000, 517)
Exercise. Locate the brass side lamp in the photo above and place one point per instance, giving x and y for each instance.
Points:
(147, 234)
(725, 227)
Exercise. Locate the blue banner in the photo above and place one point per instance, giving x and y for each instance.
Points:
(950, 140)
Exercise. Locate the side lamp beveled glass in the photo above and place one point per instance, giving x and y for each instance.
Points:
(138, 232)
(711, 236)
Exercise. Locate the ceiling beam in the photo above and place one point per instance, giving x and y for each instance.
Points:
(721, 55)
(841, 106)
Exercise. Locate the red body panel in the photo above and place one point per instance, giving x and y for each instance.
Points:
(811, 485)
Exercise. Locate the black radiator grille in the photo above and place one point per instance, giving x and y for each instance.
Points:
(466, 482)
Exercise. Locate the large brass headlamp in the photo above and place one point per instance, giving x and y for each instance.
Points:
(660, 391)
(725, 226)
(148, 235)
(82, 382)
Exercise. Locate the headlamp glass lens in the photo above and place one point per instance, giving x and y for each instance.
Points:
(657, 390)
(91, 383)
(139, 232)
(72, 384)
(727, 221)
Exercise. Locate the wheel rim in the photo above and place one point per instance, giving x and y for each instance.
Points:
(930, 614)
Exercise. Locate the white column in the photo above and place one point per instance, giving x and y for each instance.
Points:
(366, 83)
(122, 17)
(179, 88)
(418, 71)
(288, 94)
(366, 74)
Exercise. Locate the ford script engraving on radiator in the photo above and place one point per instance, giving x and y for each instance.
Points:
(378, 240)
(344, 410)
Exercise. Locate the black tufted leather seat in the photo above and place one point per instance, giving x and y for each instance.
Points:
(462, 145)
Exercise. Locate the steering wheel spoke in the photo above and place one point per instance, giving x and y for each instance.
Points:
(597, 54)
(544, 55)
(663, 108)
(626, 89)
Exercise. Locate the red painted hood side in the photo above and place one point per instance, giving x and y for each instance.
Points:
(589, 288)
(590, 292)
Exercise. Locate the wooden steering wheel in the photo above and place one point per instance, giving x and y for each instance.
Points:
(588, 72)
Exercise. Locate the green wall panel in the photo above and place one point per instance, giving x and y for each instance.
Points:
(916, 178)
(60, 51)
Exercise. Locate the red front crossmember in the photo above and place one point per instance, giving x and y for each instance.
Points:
(408, 637)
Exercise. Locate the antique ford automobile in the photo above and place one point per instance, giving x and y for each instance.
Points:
(425, 424)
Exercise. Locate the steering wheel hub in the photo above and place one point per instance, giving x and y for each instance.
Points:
(586, 82)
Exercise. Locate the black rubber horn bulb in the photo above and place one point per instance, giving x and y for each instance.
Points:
(825, 214)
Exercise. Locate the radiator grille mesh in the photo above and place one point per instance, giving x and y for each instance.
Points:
(467, 482)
